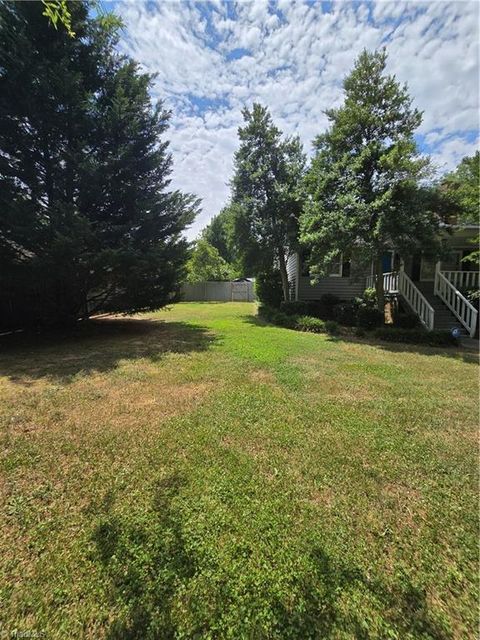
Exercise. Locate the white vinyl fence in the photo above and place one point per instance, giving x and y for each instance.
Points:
(218, 292)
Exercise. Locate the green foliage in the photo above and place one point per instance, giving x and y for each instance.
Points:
(360, 312)
(370, 296)
(364, 181)
(311, 324)
(275, 316)
(416, 336)
(220, 233)
(294, 308)
(332, 327)
(346, 313)
(205, 264)
(266, 189)
(268, 288)
(57, 11)
(87, 221)
(324, 308)
(368, 317)
(301, 322)
(463, 186)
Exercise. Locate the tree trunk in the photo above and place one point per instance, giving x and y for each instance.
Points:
(283, 273)
(379, 285)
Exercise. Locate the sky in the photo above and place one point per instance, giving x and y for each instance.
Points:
(214, 58)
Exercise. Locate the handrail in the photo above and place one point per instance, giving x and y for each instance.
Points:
(390, 281)
(456, 302)
(462, 279)
(416, 300)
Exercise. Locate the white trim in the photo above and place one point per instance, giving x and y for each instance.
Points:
(298, 274)
(339, 273)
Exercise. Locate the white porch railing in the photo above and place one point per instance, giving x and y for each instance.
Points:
(463, 279)
(416, 300)
(456, 301)
(390, 282)
(399, 282)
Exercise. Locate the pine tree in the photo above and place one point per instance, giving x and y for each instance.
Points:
(268, 170)
(86, 218)
(365, 183)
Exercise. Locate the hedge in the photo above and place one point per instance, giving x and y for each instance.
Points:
(416, 336)
(297, 322)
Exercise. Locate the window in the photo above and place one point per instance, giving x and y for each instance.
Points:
(334, 269)
(339, 267)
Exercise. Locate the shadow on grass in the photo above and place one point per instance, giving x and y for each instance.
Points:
(96, 346)
(145, 562)
(394, 347)
(160, 589)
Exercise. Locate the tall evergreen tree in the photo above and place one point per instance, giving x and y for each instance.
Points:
(364, 185)
(268, 170)
(86, 218)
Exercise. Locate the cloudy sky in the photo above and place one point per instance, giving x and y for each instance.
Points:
(214, 57)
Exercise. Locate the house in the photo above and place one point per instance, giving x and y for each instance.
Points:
(435, 291)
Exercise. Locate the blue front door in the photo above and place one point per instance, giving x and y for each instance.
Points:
(387, 262)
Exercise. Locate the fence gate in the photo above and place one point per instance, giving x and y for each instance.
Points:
(240, 291)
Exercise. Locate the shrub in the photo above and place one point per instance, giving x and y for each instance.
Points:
(268, 287)
(293, 308)
(329, 299)
(416, 336)
(332, 327)
(284, 320)
(323, 308)
(311, 324)
(345, 313)
(360, 332)
(264, 311)
(368, 317)
(370, 297)
(406, 320)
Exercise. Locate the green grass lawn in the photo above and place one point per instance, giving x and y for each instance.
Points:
(196, 473)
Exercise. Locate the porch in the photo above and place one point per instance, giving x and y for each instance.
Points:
(440, 302)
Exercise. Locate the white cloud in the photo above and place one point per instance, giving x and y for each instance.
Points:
(297, 56)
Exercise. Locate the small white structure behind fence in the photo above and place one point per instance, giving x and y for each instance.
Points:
(218, 291)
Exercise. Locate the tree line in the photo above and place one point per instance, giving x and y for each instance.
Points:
(89, 222)
(367, 188)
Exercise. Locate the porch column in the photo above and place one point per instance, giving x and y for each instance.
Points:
(437, 270)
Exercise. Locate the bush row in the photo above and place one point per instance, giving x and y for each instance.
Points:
(386, 334)
(361, 312)
(297, 322)
(416, 336)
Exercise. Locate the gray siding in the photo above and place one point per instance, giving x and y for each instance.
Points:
(292, 271)
(344, 288)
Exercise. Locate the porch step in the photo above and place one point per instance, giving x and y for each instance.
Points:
(444, 319)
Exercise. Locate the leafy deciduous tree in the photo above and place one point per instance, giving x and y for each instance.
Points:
(220, 233)
(206, 264)
(462, 186)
